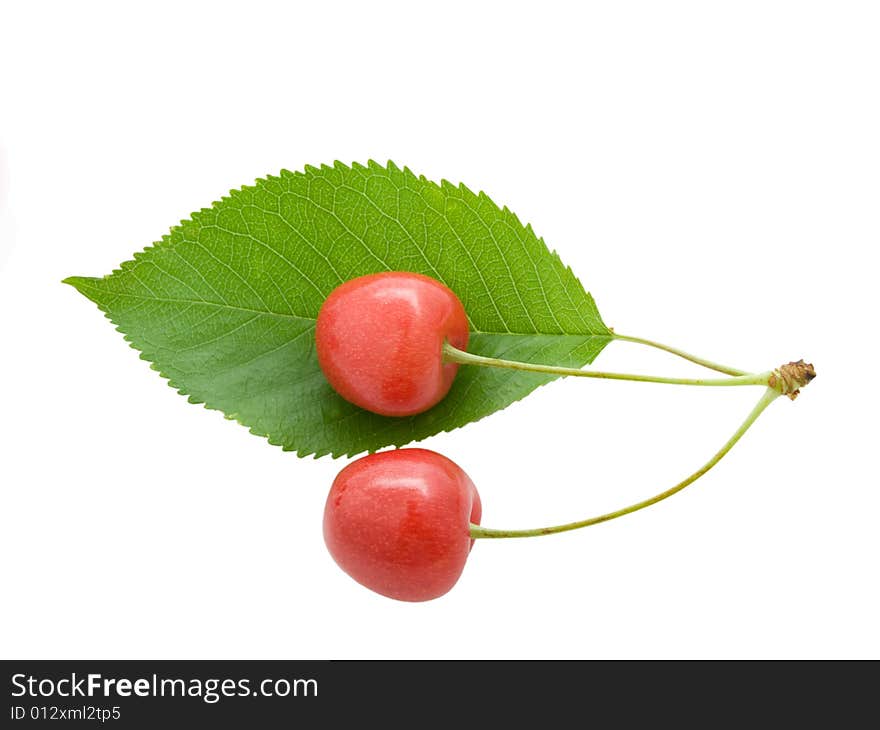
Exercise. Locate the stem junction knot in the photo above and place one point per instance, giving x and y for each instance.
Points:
(789, 379)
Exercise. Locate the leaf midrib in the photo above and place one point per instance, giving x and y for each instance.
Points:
(84, 282)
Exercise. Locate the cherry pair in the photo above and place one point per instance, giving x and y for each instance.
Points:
(399, 521)
(403, 522)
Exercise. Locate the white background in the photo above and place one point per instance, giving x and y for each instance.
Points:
(710, 171)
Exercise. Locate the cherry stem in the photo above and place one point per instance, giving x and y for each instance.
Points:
(766, 399)
(453, 354)
(681, 353)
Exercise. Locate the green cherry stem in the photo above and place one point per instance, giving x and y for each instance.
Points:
(453, 354)
(766, 399)
(681, 353)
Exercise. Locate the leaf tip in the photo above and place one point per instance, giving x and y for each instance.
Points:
(79, 282)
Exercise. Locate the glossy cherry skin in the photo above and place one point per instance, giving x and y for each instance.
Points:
(398, 522)
(380, 337)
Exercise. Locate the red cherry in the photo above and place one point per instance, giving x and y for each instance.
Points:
(398, 522)
(380, 337)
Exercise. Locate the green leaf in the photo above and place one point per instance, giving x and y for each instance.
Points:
(225, 305)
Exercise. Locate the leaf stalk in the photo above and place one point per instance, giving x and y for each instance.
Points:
(727, 370)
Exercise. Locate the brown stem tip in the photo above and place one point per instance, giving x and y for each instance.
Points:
(789, 379)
